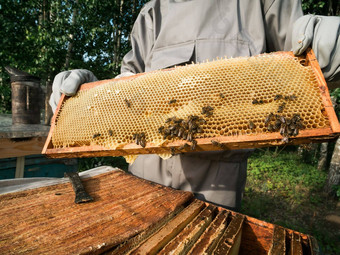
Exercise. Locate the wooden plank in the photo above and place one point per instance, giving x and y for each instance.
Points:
(279, 241)
(183, 242)
(231, 239)
(21, 147)
(24, 131)
(209, 239)
(326, 99)
(170, 230)
(20, 167)
(47, 221)
(295, 244)
(203, 144)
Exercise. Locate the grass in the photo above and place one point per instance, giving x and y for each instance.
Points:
(287, 190)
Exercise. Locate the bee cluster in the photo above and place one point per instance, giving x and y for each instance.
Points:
(185, 129)
(286, 126)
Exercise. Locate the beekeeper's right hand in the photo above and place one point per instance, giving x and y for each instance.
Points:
(68, 82)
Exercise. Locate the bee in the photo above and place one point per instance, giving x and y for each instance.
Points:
(168, 120)
(142, 143)
(199, 130)
(189, 137)
(193, 145)
(282, 119)
(96, 135)
(136, 138)
(207, 110)
(110, 132)
(281, 107)
(277, 97)
(292, 97)
(180, 132)
(127, 103)
(255, 101)
(295, 132)
(268, 119)
(277, 124)
(283, 130)
(184, 146)
(217, 144)
(251, 125)
(173, 151)
(285, 139)
(172, 101)
(202, 121)
(222, 95)
(270, 128)
(161, 129)
(185, 135)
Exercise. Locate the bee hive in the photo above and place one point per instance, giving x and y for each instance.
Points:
(264, 100)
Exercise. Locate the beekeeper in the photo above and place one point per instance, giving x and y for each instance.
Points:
(175, 32)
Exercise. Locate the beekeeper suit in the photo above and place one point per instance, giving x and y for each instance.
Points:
(175, 32)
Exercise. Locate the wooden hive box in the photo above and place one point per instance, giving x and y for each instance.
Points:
(239, 103)
(146, 219)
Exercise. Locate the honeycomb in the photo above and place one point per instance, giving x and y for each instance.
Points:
(227, 97)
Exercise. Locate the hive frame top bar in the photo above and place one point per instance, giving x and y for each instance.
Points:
(205, 144)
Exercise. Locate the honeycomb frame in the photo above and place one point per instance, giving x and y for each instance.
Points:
(328, 131)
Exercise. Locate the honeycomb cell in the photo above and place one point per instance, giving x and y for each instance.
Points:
(142, 105)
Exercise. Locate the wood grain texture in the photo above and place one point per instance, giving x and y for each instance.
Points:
(47, 221)
(21, 147)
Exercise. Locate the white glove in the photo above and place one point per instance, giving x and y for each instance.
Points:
(323, 34)
(67, 82)
(125, 74)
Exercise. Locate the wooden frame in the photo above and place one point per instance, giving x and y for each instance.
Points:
(204, 144)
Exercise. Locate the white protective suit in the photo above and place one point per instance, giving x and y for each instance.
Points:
(174, 32)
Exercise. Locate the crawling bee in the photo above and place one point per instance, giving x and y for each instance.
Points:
(281, 108)
(207, 110)
(110, 132)
(251, 125)
(173, 151)
(193, 145)
(96, 135)
(127, 103)
(269, 118)
(172, 101)
(217, 144)
(277, 97)
(161, 129)
(270, 128)
(255, 101)
(222, 95)
(285, 139)
(292, 97)
(184, 146)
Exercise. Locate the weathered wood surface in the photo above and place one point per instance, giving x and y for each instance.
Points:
(24, 131)
(21, 147)
(229, 142)
(128, 214)
(47, 221)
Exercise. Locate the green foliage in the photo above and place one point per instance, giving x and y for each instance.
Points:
(45, 37)
(284, 190)
(88, 163)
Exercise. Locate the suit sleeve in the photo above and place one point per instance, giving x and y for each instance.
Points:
(142, 41)
(279, 17)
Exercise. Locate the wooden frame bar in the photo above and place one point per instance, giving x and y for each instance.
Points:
(204, 144)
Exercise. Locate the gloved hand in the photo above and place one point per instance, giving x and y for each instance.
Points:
(67, 82)
(125, 74)
(322, 33)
